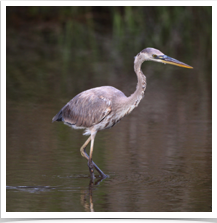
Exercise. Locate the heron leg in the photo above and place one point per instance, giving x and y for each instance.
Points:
(90, 161)
(84, 154)
(82, 149)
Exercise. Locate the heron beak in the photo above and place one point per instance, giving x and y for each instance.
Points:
(169, 60)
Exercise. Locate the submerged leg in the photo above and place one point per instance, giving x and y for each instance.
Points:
(84, 154)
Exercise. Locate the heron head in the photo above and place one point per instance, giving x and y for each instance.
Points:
(157, 56)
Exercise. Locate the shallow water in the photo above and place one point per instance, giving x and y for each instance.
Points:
(158, 158)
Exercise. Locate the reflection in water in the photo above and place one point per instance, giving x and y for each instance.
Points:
(89, 193)
(86, 194)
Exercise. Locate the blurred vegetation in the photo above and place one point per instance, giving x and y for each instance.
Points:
(48, 48)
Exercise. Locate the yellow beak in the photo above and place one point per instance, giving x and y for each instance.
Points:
(169, 60)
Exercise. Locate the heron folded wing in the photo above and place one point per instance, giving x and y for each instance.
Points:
(86, 109)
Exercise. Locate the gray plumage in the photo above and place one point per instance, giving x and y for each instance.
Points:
(102, 107)
(93, 109)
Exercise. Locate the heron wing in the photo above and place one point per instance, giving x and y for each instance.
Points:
(85, 110)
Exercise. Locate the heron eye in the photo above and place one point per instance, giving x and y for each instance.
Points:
(154, 55)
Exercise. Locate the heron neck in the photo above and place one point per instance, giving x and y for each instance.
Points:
(137, 96)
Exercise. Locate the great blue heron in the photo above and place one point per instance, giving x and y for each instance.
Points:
(102, 107)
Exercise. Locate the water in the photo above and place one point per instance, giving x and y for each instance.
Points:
(158, 158)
